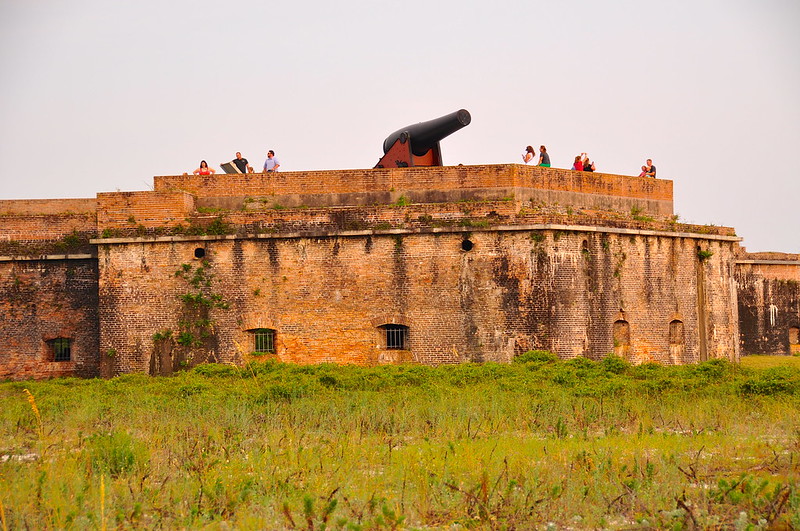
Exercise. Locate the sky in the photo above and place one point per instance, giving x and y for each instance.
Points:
(101, 95)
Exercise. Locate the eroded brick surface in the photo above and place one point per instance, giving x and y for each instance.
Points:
(769, 303)
(513, 291)
(41, 300)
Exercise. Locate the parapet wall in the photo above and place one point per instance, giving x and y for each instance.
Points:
(148, 209)
(600, 191)
(47, 206)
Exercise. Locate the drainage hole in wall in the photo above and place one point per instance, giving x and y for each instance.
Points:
(199, 252)
(467, 245)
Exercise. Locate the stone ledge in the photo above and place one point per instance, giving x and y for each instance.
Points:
(48, 257)
(769, 262)
(432, 230)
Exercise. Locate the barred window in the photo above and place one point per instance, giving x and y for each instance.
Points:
(396, 336)
(60, 349)
(264, 340)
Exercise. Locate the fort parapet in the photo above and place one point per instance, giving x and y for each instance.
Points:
(427, 265)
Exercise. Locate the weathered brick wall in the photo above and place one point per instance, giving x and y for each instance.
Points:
(129, 210)
(47, 206)
(31, 227)
(513, 291)
(587, 189)
(768, 286)
(42, 300)
(27, 228)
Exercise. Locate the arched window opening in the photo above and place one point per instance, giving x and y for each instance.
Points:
(677, 341)
(794, 340)
(395, 336)
(622, 339)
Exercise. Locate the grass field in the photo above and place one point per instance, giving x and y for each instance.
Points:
(535, 444)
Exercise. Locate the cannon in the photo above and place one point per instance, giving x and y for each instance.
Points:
(418, 144)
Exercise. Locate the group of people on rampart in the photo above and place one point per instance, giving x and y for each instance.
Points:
(271, 165)
(582, 162)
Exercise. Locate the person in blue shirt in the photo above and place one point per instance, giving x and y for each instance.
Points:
(271, 164)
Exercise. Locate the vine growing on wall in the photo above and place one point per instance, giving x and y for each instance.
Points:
(194, 340)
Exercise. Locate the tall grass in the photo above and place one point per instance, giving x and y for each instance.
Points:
(575, 444)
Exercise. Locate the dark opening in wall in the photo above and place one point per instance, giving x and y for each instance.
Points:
(60, 349)
(199, 252)
(396, 336)
(467, 245)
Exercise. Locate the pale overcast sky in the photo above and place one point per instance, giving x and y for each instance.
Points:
(100, 95)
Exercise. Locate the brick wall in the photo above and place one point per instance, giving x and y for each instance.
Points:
(126, 210)
(654, 195)
(513, 291)
(47, 206)
(41, 227)
(41, 300)
(768, 286)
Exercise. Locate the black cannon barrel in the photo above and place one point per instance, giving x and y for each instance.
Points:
(425, 135)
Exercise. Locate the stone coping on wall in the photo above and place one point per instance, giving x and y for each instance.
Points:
(427, 230)
(47, 257)
(429, 178)
(769, 262)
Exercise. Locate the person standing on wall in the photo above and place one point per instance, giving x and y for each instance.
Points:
(242, 164)
(271, 164)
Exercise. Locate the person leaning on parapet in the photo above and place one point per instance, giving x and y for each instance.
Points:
(271, 164)
(241, 164)
(544, 158)
(204, 169)
(529, 157)
(578, 164)
(651, 169)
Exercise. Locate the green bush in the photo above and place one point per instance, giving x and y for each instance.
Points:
(115, 453)
(536, 356)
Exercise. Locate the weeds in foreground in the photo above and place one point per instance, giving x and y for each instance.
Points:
(540, 442)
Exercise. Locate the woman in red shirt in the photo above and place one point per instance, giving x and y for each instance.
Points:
(204, 169)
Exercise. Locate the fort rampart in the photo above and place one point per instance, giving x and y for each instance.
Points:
(428, 265)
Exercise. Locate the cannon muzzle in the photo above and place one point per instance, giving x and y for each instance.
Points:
(418, 144)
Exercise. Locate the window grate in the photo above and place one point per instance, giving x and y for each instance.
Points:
(61, 349)
(264, 340)
(396, 337)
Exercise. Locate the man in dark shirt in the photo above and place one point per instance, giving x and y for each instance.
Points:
(241, 163)
(651, 170)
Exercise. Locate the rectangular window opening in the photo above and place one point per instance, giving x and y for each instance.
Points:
(396, 337)
(264, 340)
(61, 349)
